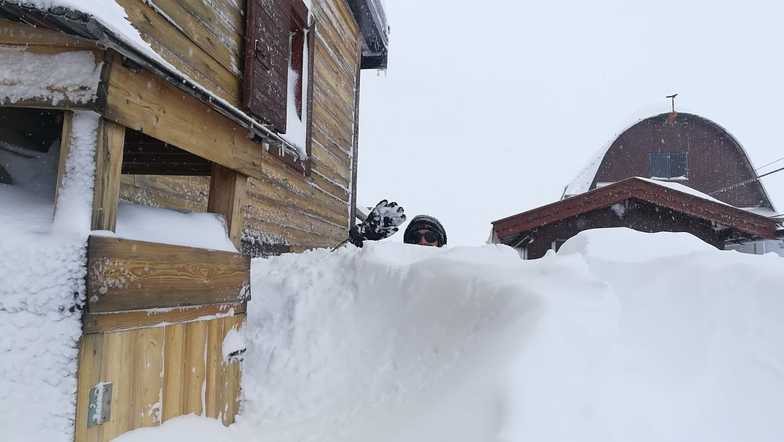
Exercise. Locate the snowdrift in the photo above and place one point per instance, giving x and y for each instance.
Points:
(621, 336)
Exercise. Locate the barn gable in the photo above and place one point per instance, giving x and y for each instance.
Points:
(679, 147)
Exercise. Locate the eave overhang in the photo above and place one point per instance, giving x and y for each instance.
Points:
(747, 223)
(375, 32)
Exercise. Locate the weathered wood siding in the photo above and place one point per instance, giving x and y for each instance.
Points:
(286, 210)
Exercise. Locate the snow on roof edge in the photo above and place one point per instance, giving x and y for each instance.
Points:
(112, 17)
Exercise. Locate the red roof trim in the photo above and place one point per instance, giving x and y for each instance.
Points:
(741, 220)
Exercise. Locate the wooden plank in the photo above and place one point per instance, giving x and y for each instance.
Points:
(227, 197)
(213, 373)
(174, 372)
(136, 319)
(232, 377)
(355, 148)
(183, 193)
(15, 33)
(62, 155)
(108, 167)
(267, 50)
(133, 275)
(89, 374)
(118, 368)
(195, 368)
(148, 104)
(208, 26)
(176, 48)
(148, 377)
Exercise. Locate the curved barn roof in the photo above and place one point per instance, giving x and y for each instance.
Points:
(586, 180)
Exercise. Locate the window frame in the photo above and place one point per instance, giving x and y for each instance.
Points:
(665, 161)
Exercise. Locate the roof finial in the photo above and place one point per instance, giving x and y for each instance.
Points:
(672, 97)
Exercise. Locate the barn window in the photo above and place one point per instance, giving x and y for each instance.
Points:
(669, 165)
(276, 84)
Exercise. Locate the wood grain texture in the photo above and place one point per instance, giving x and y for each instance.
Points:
(62, 154)
(227, 197)
(158, 373)
(135, 319)
(15, 33)
(133, 275)
(179, 50)
(148, 104)
(266, 63)
(108, 167)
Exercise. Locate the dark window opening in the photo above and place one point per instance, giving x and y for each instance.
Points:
(670, 165)
(144, 155)
(29, 149)
(298, 32)
(158, 174)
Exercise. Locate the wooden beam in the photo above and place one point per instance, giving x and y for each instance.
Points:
(146, 103)
(136, 319)
(227, 196)
(126, 275)
(108, 169)
(15, 33)
(64, 151)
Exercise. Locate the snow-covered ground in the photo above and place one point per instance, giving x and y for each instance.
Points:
(621, 336)
(43, 267)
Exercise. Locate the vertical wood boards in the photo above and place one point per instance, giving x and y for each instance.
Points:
(158, 373)
(65, 150)
(108, 167)
(227, 196)
(265, 82)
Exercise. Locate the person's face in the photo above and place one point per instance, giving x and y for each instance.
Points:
(427, 238)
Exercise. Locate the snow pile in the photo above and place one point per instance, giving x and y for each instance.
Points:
(622, 336)
(168, 226)
(72, 76)
(43, 265)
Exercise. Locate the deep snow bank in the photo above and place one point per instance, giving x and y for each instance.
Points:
(42, 272)
(622, 336)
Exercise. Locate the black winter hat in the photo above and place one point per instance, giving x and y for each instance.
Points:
(425, 222)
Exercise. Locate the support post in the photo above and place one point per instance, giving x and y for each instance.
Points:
(65, 150)
(227, 195)
(108, 169)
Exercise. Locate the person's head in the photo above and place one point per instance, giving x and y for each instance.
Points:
(425, 231)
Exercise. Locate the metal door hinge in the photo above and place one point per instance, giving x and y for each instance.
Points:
(99, 409)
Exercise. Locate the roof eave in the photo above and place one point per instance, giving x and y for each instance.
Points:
(758, 225)
(373, 25)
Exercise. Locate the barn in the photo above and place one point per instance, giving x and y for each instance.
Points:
(148, 150)
(669, 172)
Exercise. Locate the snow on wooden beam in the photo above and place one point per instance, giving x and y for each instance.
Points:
(40, 76)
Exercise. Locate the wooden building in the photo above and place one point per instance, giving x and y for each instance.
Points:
(683, 148)
(700, 181)
(635, 203)
(247, 109)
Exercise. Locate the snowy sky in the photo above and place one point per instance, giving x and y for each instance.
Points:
(488, 111)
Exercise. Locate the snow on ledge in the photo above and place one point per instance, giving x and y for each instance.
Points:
(67, 76)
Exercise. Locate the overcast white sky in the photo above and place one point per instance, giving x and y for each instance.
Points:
(491, 108)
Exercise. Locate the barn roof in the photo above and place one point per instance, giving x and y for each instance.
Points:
(667, 195)
(586, 179)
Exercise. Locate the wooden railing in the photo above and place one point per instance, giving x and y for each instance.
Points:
(154, 326)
